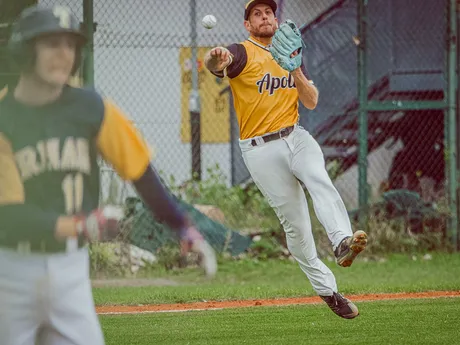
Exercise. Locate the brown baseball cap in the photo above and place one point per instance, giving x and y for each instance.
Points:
(250, 5)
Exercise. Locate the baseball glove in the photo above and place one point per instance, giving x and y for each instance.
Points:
(286, 42)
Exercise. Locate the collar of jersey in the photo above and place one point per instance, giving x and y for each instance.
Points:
(11, 101)
(257, 43)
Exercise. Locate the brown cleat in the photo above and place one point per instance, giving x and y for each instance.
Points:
(341, 306)
(350, 247)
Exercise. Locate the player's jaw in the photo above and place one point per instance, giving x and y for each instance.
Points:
(265, 30)
(55, 59)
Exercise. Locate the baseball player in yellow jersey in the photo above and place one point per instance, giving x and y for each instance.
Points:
(51, 135)
(267, 80)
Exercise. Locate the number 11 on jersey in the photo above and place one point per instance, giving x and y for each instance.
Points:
(72, 187)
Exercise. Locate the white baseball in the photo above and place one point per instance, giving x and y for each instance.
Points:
(209, 21)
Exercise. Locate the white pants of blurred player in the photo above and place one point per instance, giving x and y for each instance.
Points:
(47, 300)
(276, 168)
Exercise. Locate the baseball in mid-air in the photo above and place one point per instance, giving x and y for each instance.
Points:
(209, 21)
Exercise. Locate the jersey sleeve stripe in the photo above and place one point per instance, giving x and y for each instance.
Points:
(239, 61)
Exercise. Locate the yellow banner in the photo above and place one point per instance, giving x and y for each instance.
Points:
(215, 112)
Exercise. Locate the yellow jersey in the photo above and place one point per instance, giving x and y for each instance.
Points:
(264, 94)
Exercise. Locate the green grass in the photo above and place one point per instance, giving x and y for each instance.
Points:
(276, 278)
(391, 322)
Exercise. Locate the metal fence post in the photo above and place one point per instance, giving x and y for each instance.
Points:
(457, 124)
(88, 22)
(362, 96)
(451, 114)
(194, 102)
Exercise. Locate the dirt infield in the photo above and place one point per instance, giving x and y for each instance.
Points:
(214, 305)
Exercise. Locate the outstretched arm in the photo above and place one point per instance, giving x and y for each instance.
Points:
(121, 146)
(124, 148)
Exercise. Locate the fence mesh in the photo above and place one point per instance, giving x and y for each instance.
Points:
(409, 57)
(142, 60)
(406, 54)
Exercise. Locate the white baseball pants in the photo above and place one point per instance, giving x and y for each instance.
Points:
(47, 300)
(276, 168)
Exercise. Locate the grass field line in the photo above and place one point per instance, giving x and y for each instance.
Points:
(219, 305)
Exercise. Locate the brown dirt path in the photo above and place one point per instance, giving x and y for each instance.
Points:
(213, 305)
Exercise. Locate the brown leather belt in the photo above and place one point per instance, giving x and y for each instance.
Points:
(284, 132)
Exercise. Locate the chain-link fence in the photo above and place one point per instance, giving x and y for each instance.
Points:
(143, 60)
(406, 62)
(405, 68)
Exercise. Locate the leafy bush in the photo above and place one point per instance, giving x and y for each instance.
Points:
(244, 207)
(104, 262)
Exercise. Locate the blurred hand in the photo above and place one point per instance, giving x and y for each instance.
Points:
(192, 241)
